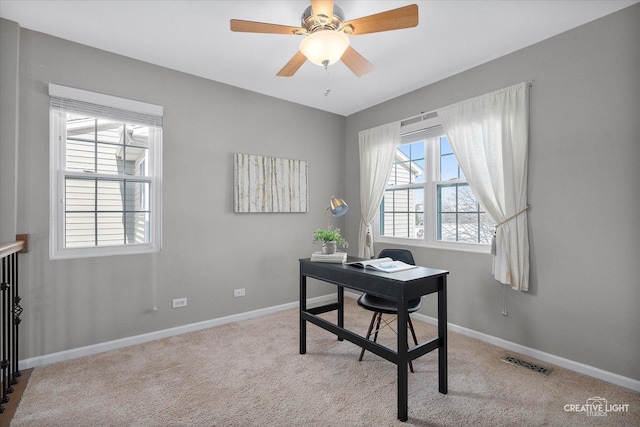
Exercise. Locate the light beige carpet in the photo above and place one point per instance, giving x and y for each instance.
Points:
(251, 374)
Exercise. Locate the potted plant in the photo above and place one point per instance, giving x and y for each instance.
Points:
(330, 239)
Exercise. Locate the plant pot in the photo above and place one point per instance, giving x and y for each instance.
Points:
(329, 247)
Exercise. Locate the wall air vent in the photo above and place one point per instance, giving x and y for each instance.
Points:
(419, 118)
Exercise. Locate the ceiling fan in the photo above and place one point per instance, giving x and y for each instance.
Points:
(326, 34)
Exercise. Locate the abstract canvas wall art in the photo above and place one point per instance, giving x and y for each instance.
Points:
(269, 184)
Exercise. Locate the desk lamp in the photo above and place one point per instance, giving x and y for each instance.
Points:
(337, 207)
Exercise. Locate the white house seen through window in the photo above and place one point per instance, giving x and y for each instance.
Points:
(106, 210)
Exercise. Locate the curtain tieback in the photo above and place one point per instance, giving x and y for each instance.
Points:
(493, 240)
(367, 238)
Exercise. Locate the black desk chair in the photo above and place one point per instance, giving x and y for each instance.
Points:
(381, 306)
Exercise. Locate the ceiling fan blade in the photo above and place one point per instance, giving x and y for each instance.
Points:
(241, 26)
(322, 7)
(395, 19)
(293, 65)
(357, 63)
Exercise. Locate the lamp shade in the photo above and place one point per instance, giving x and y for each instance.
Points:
(324, 45)
(338, 207)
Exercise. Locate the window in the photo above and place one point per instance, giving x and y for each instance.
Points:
(106, 158)
(428, 200)
(403, 204)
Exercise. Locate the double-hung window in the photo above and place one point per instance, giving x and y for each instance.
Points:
(427, 200)
(106, 174)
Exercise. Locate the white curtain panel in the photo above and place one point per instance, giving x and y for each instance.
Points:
(377, 152)
(489, 135)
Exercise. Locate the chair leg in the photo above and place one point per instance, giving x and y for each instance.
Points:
(373, 320)
(375, 336)
(413, 332)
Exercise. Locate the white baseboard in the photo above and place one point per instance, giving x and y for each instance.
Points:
(499, 342)
(62, 356)
(571, 365)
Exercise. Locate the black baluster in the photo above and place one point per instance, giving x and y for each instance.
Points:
(17, 312)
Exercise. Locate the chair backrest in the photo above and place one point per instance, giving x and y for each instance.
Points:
(403, 255)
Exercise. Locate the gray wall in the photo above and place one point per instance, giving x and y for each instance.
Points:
(583, 189)
(208, 250)
(9, 51)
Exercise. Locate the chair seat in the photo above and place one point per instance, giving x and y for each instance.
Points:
(383, 305)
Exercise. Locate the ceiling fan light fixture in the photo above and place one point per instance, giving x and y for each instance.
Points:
(324, 46)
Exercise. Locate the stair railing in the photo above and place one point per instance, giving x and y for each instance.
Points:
(10, 311)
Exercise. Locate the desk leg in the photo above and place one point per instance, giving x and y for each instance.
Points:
(403, 361)
(442, 336)
(303, 308)
(340, 309)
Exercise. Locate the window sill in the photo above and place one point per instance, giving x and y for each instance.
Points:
(449, 246)
(102, 251)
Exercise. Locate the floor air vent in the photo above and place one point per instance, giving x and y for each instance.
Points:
(525, 364)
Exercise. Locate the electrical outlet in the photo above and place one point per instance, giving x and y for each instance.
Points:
(179, 302)
(238, 293)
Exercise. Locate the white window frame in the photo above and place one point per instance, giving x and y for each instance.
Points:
(431, 128)
(57, 164)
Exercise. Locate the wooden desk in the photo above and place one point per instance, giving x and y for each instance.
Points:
(401, 287)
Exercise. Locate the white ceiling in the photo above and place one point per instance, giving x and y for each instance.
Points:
(194, 37)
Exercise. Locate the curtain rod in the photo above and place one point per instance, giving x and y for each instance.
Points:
(424, 114)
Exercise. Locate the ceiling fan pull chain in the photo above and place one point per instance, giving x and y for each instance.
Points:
(326, 69)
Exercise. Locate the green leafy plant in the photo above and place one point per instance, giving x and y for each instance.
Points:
(329, 236)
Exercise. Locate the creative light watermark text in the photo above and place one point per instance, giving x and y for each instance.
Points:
(596, 407)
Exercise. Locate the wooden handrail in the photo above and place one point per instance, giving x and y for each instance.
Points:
(20, 245)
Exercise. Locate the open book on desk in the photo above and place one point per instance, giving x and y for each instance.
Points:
(382, 264)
